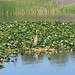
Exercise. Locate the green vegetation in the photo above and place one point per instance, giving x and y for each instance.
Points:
(35, 8)
(19, 37)
(7, 8)
(13, 35)
(69, 8)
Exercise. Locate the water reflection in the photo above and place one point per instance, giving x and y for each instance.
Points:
(30, 59)
(1, 66)
(44, 67)
(60, 59)
(28, 64)
(72, 54)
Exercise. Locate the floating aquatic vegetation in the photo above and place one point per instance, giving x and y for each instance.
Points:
(19, 35)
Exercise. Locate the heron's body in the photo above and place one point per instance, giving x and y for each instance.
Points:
(35, 40)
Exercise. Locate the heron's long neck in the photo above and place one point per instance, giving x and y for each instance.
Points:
(35, 40)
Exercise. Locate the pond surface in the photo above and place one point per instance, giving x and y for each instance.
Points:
(59, 64)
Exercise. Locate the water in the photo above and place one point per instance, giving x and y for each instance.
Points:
(59, 64)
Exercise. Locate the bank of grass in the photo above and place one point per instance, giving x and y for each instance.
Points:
(27, 8)
(41, 8)
(68, 9)
(36, 8)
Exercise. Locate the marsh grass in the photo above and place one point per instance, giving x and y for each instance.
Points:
(35, 8)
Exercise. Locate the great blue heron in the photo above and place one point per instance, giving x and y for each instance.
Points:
(35, 39)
